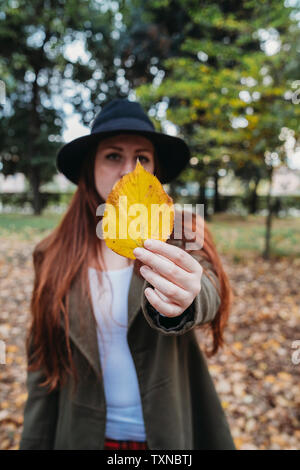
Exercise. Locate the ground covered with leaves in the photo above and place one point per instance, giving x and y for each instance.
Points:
(256, 373)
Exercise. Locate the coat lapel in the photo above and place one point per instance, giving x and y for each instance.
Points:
(82, 324)
(134, 297)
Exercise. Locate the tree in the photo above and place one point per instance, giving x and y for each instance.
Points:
(226, 94)
(41, 76)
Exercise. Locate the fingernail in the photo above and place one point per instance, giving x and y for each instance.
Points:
(144, 269)
(148, 243)
(137, 251)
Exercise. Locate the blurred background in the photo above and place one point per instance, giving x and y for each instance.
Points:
(223, 75)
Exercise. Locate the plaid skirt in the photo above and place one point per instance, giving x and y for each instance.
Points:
(112, 444)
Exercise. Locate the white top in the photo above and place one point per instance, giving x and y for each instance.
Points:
(124, 408)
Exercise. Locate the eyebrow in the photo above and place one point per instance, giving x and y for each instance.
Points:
(121, 148)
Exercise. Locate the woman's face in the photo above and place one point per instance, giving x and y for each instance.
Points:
(117, 155)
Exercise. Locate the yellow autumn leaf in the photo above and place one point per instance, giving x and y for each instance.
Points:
(137, 208)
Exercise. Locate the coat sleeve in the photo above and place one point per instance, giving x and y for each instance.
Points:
(41, 408)
(202, 310)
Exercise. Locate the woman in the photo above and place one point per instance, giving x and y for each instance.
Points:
(120, 367)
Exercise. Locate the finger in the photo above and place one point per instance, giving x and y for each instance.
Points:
(166, 308)
(161, 295)
(165, 267)
(174, 253)
(174, 293)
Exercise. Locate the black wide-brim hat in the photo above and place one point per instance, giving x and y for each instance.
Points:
(118, 116)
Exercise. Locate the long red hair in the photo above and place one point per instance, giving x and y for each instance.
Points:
(68, 251)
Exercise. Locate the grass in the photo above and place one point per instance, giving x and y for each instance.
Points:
(25, 226)
(238, 235)
(234, 235)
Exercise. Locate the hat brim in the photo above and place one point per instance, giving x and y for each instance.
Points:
(172, 152)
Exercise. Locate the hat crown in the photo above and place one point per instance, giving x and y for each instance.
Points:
(118, 116)
(121, 108)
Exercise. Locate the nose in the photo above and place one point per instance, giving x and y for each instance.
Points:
(128, 167)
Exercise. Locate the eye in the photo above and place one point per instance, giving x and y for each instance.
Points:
(112, 156)
(143, 158)
(116, 157)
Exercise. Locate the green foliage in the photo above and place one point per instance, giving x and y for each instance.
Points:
(225, 94)
(41, 76)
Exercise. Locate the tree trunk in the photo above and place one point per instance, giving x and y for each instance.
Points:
(267, 250)
(254, 198)
(217, 203)
(34, 178)
(34, 171)
(202, 196)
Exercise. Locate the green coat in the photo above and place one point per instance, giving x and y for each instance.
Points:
(180, 405)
